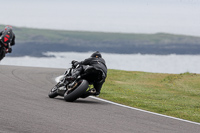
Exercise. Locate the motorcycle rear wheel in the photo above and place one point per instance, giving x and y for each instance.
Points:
(72, 96)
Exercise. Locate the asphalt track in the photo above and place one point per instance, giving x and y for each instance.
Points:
(26, 108)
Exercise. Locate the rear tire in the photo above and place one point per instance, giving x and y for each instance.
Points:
(77, 92)
(53, 92)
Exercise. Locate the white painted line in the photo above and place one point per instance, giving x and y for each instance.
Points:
(144, 110)
(58, 78)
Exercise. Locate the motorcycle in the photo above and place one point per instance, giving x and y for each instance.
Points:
(3, 50)
(78, 87)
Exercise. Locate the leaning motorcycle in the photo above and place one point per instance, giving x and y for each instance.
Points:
(76, 88)
(3, 49)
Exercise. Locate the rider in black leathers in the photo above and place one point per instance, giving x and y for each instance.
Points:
(8, 39)
(97, 62)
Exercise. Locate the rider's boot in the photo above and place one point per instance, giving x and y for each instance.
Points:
(89, 93)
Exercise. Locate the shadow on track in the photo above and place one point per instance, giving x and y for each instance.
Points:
(82, 101)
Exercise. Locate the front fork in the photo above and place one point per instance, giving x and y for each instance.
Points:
(61, 86)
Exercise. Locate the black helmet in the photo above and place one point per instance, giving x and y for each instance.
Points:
(96, 54)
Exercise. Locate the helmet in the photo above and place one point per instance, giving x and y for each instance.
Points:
(96, 54)
(8, 27)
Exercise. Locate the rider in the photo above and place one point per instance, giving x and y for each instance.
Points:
(7, 38)
(98, 63)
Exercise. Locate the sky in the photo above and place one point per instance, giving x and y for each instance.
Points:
(123, 16)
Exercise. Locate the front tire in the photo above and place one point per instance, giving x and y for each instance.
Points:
(53, 92)
(77, 92)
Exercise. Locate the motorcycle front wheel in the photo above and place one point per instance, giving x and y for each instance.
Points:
(53, 92)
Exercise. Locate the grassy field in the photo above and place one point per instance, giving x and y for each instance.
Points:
(175, 95)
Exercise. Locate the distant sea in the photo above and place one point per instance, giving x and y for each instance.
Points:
(130, 62)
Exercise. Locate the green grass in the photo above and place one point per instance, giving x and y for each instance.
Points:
(176, 95)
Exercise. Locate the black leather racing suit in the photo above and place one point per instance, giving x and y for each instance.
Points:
(6, 46)
(13, 39)
(99, 64)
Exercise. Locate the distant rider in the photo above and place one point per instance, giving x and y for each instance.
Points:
(7, 38)
(97, 62)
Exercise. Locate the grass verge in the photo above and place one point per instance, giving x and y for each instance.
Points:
(176, 95)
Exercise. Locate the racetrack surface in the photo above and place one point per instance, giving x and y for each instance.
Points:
(26, 108)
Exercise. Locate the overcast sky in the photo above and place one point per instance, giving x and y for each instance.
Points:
(126, 16)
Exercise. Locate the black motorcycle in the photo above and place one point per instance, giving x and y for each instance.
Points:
(76, 88)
